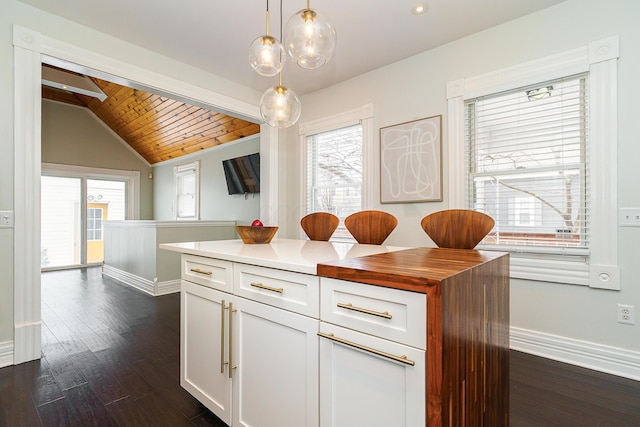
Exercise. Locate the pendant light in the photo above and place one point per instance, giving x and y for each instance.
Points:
(266, 54)
(280, 106)
(310, 38)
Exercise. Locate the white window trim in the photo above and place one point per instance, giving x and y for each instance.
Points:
(194, 167)
(363, 116)
(600, 60)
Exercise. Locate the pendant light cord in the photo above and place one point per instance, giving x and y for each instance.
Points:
(281, 41)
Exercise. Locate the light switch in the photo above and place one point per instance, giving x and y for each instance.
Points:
(6, 219)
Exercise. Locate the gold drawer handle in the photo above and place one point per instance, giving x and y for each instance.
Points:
(231, 365)
(401, 359)
(267, 288)
(197, 270)
(350, 306)
(222, 362)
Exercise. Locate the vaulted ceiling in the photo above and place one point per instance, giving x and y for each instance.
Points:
(157, 127)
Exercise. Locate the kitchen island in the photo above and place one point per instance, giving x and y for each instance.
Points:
(316, 333)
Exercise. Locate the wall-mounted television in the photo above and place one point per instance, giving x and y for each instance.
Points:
(242, 174)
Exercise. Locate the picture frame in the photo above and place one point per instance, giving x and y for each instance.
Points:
(411, 161)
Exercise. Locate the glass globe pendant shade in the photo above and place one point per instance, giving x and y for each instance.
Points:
(280, 107)
(310, 38)
(266, 55)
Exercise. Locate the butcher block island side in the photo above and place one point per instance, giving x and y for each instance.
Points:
(293, 333)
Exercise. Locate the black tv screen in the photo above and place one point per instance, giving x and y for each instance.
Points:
(242, 174)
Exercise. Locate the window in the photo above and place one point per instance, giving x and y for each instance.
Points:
(94, 224)
(187, 191)
(509, 177)
(334, 171)
(526, 153)
(336, 160)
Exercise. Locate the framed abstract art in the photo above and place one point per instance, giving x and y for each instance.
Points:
(411, 161)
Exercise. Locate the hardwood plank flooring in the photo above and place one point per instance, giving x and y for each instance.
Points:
(111, 358)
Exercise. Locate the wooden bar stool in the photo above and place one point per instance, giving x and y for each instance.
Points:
(457, 228)
(370, 227)
(319, 225)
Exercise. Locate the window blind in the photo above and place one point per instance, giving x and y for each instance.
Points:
(527, 166)
(334, 173)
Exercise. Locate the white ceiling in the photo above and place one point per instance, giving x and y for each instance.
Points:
(215, 35)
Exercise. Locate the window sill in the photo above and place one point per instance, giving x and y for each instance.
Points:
(572, 272)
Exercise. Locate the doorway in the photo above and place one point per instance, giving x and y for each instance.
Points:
(30, 49)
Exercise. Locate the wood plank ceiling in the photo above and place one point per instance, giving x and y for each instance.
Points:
(156, 127)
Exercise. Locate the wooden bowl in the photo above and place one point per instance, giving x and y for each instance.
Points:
(260, 234)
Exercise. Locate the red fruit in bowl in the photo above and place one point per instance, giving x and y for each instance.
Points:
(257, 223)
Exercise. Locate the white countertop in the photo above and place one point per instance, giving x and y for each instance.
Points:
(301, 256)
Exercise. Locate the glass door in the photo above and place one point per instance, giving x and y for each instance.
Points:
(73, 211)
(105, 201)
(61, 222)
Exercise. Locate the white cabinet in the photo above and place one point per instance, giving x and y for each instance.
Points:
(213, 273)
(372, 360)
(203, 347)
(276, 382)
(284, 289)
(248, 360)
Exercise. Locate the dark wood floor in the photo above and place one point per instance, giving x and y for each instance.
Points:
(111, 358)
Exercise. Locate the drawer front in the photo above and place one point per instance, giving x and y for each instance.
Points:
(368, 381)
(391, 314)
(213, 273)
(295, 292)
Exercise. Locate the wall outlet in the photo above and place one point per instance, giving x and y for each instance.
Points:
(626, 314)
(629, 217)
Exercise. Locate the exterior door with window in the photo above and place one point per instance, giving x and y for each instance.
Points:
(96, 214)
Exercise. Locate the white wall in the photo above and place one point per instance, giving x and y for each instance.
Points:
(415, 88)
(215, 202)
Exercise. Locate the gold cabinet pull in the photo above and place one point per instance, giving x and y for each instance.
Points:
(349, 306)
(222, 362)
(401, 359)
(197, 270)
(267, 288)
(231, 365)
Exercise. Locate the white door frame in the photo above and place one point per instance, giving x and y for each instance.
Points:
(29, 48)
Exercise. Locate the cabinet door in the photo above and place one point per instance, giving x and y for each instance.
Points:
(362, 385)
(204, 347)
(276, 353)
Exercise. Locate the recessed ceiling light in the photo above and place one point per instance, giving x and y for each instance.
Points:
(419, 9)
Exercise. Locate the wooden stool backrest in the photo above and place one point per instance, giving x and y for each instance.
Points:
(319, 225)
(370, 227)
(457, 228)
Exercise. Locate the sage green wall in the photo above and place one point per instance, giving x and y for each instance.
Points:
(215, 202)
(416, 88)
(75, 136)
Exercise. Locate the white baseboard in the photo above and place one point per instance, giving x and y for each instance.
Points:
(151, 287)
(168, 287)
(612, 360)
(6, 353)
